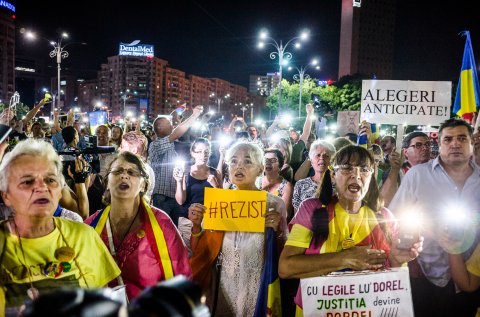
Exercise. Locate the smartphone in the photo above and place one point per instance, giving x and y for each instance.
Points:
(408, 236)
(4, 132)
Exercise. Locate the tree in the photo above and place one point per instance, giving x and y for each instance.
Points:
(21, 109)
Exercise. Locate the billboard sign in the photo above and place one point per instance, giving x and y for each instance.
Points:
(135, 49)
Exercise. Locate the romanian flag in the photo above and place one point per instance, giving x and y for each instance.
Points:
(269, 298)
(181, 108)
(467, 99)
(375, 135)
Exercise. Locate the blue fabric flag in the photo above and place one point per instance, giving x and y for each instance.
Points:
(269, 298)
(467, 98)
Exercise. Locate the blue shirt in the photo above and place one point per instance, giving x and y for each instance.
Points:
(427, 188)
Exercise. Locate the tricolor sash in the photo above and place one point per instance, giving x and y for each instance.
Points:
(153, 232)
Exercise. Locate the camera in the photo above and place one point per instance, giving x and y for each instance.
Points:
(177, 296)
(89, 153)
(408, 236)
(90, 141)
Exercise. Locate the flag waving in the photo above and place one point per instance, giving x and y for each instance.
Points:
(467, 98)
(269, 298)
(181, 108)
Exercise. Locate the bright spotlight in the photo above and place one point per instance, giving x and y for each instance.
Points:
(304, 35)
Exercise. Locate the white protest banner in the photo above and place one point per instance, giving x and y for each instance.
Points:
(406, 102)
(347, 122)
(358, 294)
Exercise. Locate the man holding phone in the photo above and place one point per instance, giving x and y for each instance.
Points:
(428, 189)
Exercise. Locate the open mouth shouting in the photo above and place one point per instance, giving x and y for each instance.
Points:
(41, 201)
(123, 186)
(354, 188)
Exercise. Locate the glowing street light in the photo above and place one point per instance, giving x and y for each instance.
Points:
(58, 51)
(281, 52)
(300, 76)
(219, 99)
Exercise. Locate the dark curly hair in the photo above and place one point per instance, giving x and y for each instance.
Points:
(346, 155)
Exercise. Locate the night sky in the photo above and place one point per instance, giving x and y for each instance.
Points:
(218, 38)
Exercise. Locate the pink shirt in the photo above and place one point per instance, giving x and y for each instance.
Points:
(135, 257)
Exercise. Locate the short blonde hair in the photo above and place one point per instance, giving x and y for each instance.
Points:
(255, 152)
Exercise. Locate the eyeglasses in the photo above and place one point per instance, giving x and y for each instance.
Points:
(459, 138)
(130, 172)
(347, 169)
(204, 152)
(271, 161)
(420, 145)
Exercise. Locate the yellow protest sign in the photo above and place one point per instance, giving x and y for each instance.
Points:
(235, 210)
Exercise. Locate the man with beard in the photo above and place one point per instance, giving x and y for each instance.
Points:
(435, 189)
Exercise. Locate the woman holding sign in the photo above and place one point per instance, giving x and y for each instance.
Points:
(346, 230)
(142, 239)
(228, 265)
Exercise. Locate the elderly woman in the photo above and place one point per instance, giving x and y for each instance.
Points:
(143, 240)
(41, 252)
(242, 253)
(319, 159)
(274, 183)
(348, 230)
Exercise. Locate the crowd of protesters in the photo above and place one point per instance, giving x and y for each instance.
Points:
(333, 205)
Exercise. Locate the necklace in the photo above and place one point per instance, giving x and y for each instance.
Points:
(32, 292)
(128, 229)
(65, 253)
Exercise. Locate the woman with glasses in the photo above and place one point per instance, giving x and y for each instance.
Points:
(142, 239)
(274, 183)
(345, 230)
(228, 265)
(192, 182)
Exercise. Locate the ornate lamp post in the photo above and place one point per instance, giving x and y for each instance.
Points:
(59, 52)
(283, 55)
(300, 76)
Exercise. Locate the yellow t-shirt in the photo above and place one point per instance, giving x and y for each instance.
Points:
(46, 269)
(473, 262)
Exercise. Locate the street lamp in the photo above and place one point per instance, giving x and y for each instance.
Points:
(219, 100)
(300, 76)
(283, 55)
(58, 51)
(124, 95)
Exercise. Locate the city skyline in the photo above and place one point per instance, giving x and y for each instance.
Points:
(218, 39)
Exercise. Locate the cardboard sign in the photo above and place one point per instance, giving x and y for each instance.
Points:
(235, 210)
(406, 102)
(347, 122)
(358, 294)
